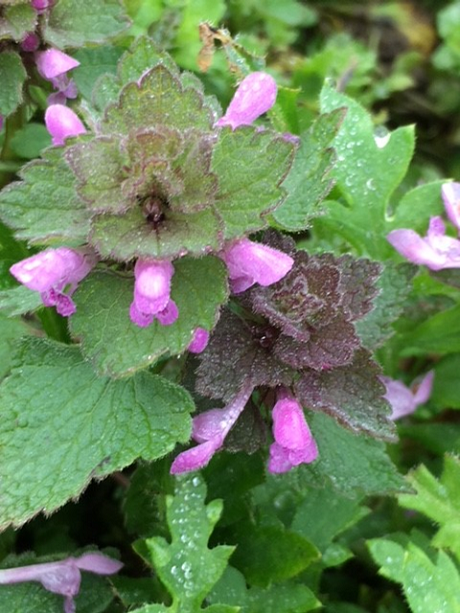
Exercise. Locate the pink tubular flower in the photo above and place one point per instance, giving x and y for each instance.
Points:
(199, 340)
(451, 196)
(404, 400)
(53, 63)
(436, 250)
(55, 273)
(30, 42)
(62, 577)
(61, 122)
(255, 95)
(250, 263)
(152, 289)
(294, 443)
(41, 5)
(210, 430)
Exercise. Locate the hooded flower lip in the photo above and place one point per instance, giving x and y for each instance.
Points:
(210, 429)
(199, 340)
(435, 250)
(255, 95)
(53, 63)
(404, 400)
(55, 273)
(62, 577)
(294, 443)
(249, 263)
(152, 289)
(61, 122)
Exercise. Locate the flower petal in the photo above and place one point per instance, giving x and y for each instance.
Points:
(451, 195)
(61, 122)
(52, 62)
(196, 457)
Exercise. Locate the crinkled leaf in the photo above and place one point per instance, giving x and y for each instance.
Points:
(355, 464)
(158, 98)
(44, 207)
(141, 57)
(439, 500)
(250, 166)
(102, 316)
(91, 426)
(133, 236)
(395, 284)
(12, 77)
(73, 23)
(16, 21)
(309, 180)
(352, 394)
(185, 565)
(236, 352)
(270, 553)
(430, 580)
(287, 597)
(367, 174)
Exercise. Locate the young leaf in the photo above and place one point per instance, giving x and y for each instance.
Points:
(439, 500)
(430, 580)
(16, 21)
(185, 565)
(71, 426)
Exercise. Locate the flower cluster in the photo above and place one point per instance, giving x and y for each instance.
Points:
(156, 162)
(436, 250)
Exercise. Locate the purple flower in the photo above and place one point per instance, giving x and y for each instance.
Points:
(62, 577)
(53, 63)
(255, 95)
(199, 340)
(451, 196)
(152, 289)
(436, 250)
(294, 443)
(55, 273)
(210, 429)
(250, 263)
(404, 400)
(61, 122)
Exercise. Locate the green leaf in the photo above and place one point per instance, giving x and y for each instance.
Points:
(73, 23)
(416, 207)
(143, 55)
(353, 463)
(11, 330)
(250, 167)
(431, 582)
(16, 21)
(12, 77)
(44, 207)
(438, 334)
(185, 565)
(446, 386)
(324, 514)
(287, 597)
(94, 63)
(366, 174)
(309, 180)
(439, 500)
(102, 316)
(62, 426)
(270, 553)
(19, 300)
(29, 142)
